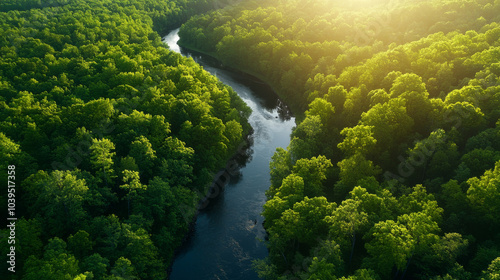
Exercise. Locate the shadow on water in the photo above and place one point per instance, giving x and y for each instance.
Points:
(262, 92)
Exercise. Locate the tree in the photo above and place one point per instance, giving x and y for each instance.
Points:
(57, 200)
(141, 251)
(363, 274)
(395, 243)
(102, 157)
(356, 104)
(347, 220)
(327, 260)
(443, 254)
(378, 96)
(313, 171)
(484, 193)
(290, 192)
(322, 108)
(96, 112)
(299, 227)
(407, 83)
(453, 200)
(390, 121)
(480, 160)
(321, 269)
(177, 164)
(392, 245)
(96, 264)
(107, 235)
(293, 185)
(80, 244)
(379, 206)
(233, 133)
(56, 263)
(424, 152)
(419, 200)
(493, 271)
(208, 140)
(145, 157)
(156, 201)
(465, 117)
(443, 161)
(11, 154)
(485, 139)
(312, 224)
(352, 170)
(123, 269)
(132, 185)
(305, 138)
(337, 96)
(358, 139)
(281, 166)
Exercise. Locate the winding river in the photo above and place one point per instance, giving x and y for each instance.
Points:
(228, 233)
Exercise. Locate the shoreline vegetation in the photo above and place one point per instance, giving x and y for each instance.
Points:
(393, 171)
(114, 138)
(212, 191)
(295, 109)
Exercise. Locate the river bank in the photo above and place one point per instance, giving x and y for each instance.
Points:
(295, 108)
(227, 235)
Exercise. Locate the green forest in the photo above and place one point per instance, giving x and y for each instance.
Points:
(108, 139)
(393, 171)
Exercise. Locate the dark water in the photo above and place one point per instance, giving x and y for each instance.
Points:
(228, 233)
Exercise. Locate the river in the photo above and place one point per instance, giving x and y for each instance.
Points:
(228, 233)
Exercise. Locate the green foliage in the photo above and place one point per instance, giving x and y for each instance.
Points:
(96, 111)
(56, 199)
(484, 195)
(358, 139)
(56, 263)
(280, 166)
(102, 122)
(102, 157)
(123, 269)
(80, 244)
(313, 171)
(378, 93)
(132, 185)
(352, 170)
(493, 271)
(392, 245)
(95, 264)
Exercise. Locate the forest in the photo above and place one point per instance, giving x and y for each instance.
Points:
(108, 140)
(393, 171)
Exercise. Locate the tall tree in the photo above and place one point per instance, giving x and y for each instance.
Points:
(101, 153)
(57, 200)
(484, 194)
(346, 221)
(132, 185)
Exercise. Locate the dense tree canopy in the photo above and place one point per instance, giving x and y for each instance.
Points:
(399, 121)
(391, 173)
(113, 136)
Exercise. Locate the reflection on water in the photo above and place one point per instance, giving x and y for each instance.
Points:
(228, 232)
